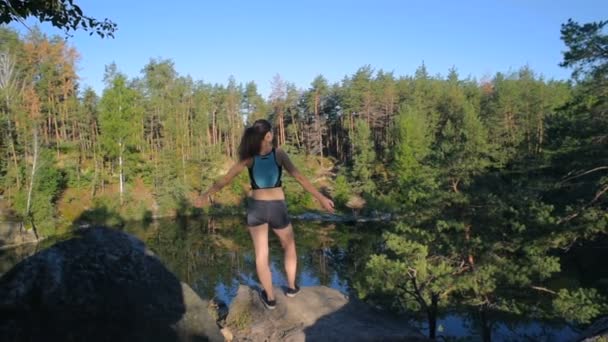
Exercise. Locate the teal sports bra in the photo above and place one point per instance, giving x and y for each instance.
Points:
(265, 172)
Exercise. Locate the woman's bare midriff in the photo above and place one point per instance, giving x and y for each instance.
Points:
(270, 194)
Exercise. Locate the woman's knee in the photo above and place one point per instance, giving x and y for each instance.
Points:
(289, 245)
(261, 254)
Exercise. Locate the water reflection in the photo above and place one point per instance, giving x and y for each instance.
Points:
(214, 256)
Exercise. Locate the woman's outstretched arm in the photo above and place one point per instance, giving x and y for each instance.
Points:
(284, 160)
(220, 183)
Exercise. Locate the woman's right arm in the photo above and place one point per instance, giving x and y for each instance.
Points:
(326, 203)
(220, 183)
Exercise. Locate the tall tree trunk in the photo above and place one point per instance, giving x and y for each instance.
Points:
(190, 142)
(183, 153)
(293, 119)
(28, 205)
(95, 173)
(432, 316)
(540, 132)
(47, 130)
(281, 128)
(7, 73)
(141, 142)
(318, 125)
(486, 327)
(57, 137)
(120, 170)
(213, 128)
(11, 142)
(64, 119)
(467, 238)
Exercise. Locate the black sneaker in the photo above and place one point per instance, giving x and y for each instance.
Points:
(269, 304)
(292, 292)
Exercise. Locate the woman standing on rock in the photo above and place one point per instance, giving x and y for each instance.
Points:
(267, 208)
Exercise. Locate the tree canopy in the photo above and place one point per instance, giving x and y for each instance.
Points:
(63, 14)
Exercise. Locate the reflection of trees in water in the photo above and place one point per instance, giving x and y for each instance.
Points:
(320, 258)
(316, 245)
(203, 252)
(352, 248)
(485, 324)
(206, 252)
(333, 251)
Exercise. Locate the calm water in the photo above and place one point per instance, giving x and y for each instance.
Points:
(214, 256)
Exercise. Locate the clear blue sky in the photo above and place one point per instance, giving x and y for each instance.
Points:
(254, 40)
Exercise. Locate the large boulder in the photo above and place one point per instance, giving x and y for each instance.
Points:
(317, 314)
(12, 234)
(100, 285)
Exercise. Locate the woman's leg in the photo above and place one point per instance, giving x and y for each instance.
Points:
(259, 235)
(291, 258)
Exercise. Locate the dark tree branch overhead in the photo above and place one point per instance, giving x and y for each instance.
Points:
(63, 14)
(588, 47)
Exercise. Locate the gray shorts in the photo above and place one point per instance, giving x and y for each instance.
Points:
(273, 212)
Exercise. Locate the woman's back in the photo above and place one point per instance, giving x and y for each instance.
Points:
(265, 174)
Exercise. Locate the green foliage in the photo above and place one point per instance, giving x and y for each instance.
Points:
(419, 270)
(342, 190)
(63, 14)
(75, 176)
(461, 149)
(364, 158)
(47, 186)
(414, 176)
(579, 305)
(298, 199)
(254, 104)
(171, 188)
(118, 107)
(587, 45)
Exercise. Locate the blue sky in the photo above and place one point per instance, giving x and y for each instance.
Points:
(254, 40)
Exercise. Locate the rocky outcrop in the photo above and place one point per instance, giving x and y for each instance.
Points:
(100, 285)
(597, 332)
(316, 314)
(12, 234)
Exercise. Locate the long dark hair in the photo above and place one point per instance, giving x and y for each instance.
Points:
(252, 139)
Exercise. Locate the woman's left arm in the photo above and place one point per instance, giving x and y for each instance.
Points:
(284, 160)
(220, 183)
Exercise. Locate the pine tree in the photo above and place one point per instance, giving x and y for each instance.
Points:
(117, 107)
(364, 158)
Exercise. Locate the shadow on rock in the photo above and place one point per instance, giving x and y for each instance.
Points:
(101, 285)
(318, 313)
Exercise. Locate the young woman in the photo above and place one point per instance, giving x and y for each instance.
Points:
(266, 208)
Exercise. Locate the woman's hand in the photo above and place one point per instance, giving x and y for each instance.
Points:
(284, 160)
(327, 204)
(201, 200)
(204, 199)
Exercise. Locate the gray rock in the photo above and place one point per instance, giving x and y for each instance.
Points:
(598, 331)
(317, 314)
(12, 234)
(100, 285)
